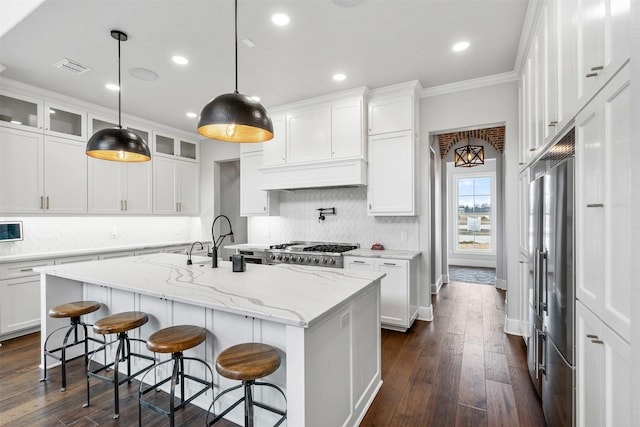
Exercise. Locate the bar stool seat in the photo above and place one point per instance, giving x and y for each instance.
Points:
(119, 323)
(174, 340)
(248, 362)
(73, 311)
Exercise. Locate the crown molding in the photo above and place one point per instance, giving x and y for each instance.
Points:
(531, 18)
(491, 80)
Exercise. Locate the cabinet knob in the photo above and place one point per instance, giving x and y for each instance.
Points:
(592, 336)
(591, 75)
(41, 202)
(552, 124)
(595, 205)
(264, 208)
(47, 202)
(125, 206)
(597, 68)
(597, 341)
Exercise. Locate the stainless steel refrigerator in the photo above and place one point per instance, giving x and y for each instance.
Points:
(551, 343)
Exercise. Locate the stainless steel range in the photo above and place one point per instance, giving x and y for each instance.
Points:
(326, 254)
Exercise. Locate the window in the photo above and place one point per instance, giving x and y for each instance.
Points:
(474, 214)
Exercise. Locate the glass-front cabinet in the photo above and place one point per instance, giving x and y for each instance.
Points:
(66, 122)
(20, 112)
(172, 146)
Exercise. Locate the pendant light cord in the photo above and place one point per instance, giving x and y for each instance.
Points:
(119, 86)
(236, 33)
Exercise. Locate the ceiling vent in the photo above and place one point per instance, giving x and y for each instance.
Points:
(72, 66)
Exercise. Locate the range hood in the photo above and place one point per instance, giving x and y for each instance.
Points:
(332, 173)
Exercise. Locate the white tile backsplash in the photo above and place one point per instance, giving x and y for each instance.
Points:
(298, 220)
(53, 234)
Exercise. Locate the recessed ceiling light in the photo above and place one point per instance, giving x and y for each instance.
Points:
(256, 98)
(112, 86)
(180, 60)
(339, 77)
(280, 19)
(143, 74)
(460, 46)
(15, 122)
(192, 115)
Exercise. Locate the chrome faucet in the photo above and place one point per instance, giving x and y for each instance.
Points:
(216, 243)
(191, 250)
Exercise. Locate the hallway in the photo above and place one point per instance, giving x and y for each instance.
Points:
(459, 370)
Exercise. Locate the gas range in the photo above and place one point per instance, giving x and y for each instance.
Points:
(325, 254)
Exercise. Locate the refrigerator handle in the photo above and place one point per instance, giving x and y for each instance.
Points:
(545, 287)
(535, 281)
(542, 366)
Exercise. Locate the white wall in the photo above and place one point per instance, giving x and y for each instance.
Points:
(473, 108)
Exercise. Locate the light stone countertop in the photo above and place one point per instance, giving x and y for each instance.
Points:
(385, 253)
(248, 246)
(90, 251)
(288, 294)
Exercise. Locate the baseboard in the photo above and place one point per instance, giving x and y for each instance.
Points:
(501, 284)
(445, 278)
(17, 334)
(513, 326)
(425, 313)
(435, 287)
(472, 262)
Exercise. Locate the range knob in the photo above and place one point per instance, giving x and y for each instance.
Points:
(285, 258)
(299, 259)
(279, 257)
(324, 260)
(307, 259)
(332, 261)
(315, 260)
(272, 257)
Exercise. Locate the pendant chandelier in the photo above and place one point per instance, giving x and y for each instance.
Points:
(235, 117)
(469, 155)
(117, 144)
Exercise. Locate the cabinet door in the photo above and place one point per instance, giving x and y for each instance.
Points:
(394, 293)
(309, 135)
(67, 122)
(105, 183)
(20, 112)
(550, 76)
(189, 188)
(391, 174)
(21, 156)
(252, 200)
(164, 145)
(138, 188)
(274, 151)
(390, 114)
(19, 304)
(589, 369)
(566, 60)
(65, 175)
(96, 123)
(346, 130)
(164, 186)
(357, 263)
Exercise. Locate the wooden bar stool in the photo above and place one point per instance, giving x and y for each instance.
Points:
(73, 311)
(174, 340)
(120, 324)
(248, 362)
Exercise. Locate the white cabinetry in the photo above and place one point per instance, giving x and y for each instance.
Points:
(603, 377)
(254, 202)
(603, 43)
(347, 126)
(19, 297)
(64, 121)
(398, 292)
(392, 151)
(523, 213)
(391, 189)
(175, 186)
(116, 187)
(173, 146)
(274, 151)
(41, 173)
(603, 210)
(309, 134)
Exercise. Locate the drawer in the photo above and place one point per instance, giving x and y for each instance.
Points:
(72, 259)
(15, 270)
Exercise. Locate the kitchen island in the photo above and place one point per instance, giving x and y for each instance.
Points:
(325, 322)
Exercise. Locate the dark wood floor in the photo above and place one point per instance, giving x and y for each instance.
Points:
(459, 370)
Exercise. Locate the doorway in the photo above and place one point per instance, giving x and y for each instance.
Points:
(229, 202)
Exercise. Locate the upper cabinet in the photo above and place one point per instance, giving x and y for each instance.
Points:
(173, 146)
(176, 188)
(20, 112)
(317, 143)
(392, 151)
(603, 43)
(66, 122)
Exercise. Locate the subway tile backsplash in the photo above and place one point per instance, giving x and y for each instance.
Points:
(298, 220)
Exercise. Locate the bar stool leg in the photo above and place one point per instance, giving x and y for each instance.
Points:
(63, 361)
(116, 370)
(248, 404)
(174, 379)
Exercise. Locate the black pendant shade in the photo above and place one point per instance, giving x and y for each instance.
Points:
(469, 155)
(118, 144)
(234, 117)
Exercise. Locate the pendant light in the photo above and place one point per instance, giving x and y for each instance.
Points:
(118, 144)
(235, 117)
(469, 155)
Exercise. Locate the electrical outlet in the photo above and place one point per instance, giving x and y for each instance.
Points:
(344, 320)
(403, 236)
